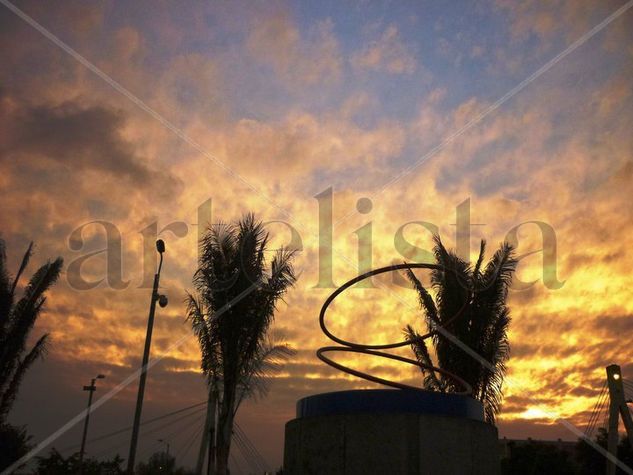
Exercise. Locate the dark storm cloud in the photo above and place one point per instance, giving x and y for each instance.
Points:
(613, 324)
(78, 138)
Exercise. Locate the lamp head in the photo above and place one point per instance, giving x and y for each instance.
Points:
(160, 246)
(162, 300)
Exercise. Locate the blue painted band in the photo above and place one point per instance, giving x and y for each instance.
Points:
(389, 401)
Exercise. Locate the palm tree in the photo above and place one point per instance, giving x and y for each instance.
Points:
(482, 292)
(16, 322)
(231, 313)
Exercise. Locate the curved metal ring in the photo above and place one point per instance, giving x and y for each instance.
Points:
(366, 275)
(368, 349)
(467, 387)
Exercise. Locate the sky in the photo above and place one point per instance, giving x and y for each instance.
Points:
(124, 122)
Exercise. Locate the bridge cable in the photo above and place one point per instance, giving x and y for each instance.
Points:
(169, 436)
(126, 429)
(189, 442)
(237, 433)
(246, 439)
(596, 412)
(248, 456)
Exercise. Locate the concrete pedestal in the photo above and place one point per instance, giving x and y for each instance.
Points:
(390, 432)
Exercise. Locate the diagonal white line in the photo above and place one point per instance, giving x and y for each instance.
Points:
(118, 388)
(510, 382)
(612, 458)
(138, 102)
(178, 132)
(499, 102)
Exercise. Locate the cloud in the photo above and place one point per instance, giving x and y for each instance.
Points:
(74, 151)
(544, 19)
(80, 139)
(298, 60)
(387, 54)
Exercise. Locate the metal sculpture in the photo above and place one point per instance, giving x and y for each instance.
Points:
(351, 347)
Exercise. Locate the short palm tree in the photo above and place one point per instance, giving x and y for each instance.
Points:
(17, 318)
(482, 325)
(231, 313)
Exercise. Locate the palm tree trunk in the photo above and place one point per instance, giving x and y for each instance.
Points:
(211, 468)
(207, 444)
(225, 430)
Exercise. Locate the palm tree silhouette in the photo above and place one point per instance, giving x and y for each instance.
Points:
(16, 322)
(482, 327)
(231, 313)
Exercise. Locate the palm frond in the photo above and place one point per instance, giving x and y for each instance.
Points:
(23, 264)
(500, 270)
(6, 296)
(426, 301)
(210, 361)
(269, 361)
(481, 291)
(480, 259)
(23, 316)
(7, 396)
(421, 352)
(496, 350)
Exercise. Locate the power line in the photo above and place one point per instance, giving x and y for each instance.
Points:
(249, 452)
(184, 418)
(111, 448)
(171, 434)
(168, 437)
(258, 455)
(126, 429)
(122, 443)
(187, 445)
(157, 429)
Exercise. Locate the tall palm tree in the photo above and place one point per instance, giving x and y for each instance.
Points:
(482, 326)
(231, 313)
(16, 322)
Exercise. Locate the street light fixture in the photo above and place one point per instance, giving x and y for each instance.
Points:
(162, 301)
(91, 389)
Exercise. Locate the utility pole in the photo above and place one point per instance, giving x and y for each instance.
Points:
(162, 301)
(91, 389)
(617, 406)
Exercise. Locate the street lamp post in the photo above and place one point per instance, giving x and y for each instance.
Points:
(91, 389)
(167, 444)
(162, 301)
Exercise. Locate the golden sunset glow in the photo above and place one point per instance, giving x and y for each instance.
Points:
(263, 108)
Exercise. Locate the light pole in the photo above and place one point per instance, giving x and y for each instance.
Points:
(162, 301)
(91, 389)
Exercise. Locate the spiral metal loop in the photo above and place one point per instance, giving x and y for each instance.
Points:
(351, 347)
